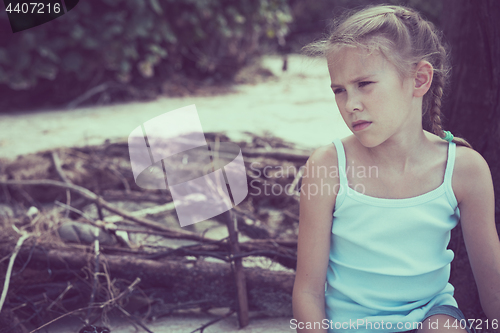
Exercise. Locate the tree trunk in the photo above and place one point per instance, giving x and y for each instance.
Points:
(472, 109)
(473, 105)
(211, 284)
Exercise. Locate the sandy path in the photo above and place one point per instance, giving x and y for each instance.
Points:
(298, 106)
(187, 324)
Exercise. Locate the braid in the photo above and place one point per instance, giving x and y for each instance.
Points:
(436, 93)
(434, 108)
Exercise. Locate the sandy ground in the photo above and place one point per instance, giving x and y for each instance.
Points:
(187, 324)
(298, 106)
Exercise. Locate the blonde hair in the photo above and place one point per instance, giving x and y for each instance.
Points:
(402, 36)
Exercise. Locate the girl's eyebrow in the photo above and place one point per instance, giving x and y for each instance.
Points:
(360, 78)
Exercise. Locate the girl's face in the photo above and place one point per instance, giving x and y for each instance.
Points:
(374, 101)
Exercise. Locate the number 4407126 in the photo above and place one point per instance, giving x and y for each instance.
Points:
(34, 8)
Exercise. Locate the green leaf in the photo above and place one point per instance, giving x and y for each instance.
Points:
(125, 66)
(78, 32)
(23, 61)
(72, 62)
(90, 43)
(156, 7)
(112, 31)
(130, 52)
(156, 49)
(46, 70)
(168, 34)
(19, 82)
(28, 40)
(47, 53)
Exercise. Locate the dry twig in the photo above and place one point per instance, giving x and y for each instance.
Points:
(97, 306)
(89, 195)
(20, 242)
(202, 328)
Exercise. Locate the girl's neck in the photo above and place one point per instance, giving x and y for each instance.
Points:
(401, 152)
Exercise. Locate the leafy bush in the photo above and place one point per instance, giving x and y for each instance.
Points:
(142, 38)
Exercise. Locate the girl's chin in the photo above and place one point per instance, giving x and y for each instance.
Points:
(368, 142)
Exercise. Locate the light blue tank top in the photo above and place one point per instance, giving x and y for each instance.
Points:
(389, 262)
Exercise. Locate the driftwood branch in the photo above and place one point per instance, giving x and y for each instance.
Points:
(277, 153)
(58, 167)
(20, 242)
(214, 282)
(153, 211)
(89, 195)
(102, 305)
(60, 173)
(116, 195)
(211, 322)
(237, 265)
(187, 276)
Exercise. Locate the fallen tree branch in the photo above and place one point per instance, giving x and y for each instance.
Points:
(211, 322)
(278, 153)
(60, 173)
(134, 319)
(58, 167)
(116, 195)
(97, 306)
(60, 297)
(97, 253)
(152, 211)
(237, 266)
(89, 195)
(61, 317)
(268, 291)
(89, 93)
(20, 242)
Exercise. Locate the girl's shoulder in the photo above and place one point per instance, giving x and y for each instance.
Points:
(325, 155)
(322, 167)
(328, 155)
(470, 171)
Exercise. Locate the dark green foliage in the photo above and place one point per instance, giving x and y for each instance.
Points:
(141, 38)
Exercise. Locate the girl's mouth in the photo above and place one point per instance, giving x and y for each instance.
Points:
(360, 125)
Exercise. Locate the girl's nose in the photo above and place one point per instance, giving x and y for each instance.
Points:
(353, 104)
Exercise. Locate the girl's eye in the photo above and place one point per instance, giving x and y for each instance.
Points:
(338, 91)
(364, 83)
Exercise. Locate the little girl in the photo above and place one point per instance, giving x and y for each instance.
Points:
(394, 189)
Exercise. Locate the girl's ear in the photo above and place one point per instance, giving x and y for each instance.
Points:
(423, 78)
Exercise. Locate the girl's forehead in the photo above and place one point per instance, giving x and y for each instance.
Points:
(353, 60)
(349, 63)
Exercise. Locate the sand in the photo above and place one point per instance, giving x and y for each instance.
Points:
(298, 105)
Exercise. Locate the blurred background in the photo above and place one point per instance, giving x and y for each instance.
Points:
(142, 49)
(94, 74)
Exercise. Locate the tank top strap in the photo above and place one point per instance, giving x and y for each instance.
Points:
(342, 162)
(450, 163)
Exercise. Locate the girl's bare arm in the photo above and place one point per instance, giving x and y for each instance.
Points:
(317, 201)
(477, 216)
